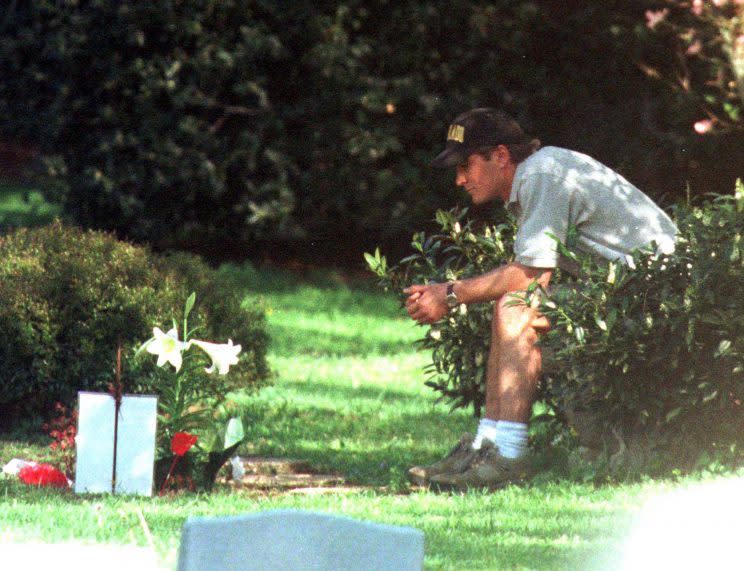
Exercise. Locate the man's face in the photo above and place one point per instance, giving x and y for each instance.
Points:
(484, 179)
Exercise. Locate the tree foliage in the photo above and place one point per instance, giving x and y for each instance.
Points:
(154, 115)
(224, 126)
(705, 40)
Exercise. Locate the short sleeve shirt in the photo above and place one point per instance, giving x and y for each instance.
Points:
(555, 189)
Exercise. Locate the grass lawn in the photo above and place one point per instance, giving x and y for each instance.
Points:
(21, 206)
(348, 397)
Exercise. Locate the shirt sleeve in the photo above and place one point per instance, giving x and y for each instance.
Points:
(544, 209)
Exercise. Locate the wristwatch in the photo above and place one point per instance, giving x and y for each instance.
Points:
(452, 301)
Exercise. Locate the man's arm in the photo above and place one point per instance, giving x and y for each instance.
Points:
(428, 303)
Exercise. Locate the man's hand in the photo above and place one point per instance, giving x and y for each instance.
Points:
(427, 303)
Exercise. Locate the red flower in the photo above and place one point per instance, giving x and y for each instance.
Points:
(43, 475)
(182, 443)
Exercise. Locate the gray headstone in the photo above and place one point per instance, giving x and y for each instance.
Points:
(297, 540)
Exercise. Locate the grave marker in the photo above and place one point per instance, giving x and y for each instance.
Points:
(131, 454)
(297, 540)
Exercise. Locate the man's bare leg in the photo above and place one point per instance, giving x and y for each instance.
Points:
(513, 368)
(513, 376)
(511, 385)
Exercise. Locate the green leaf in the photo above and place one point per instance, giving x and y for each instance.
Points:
(561, 247)
(371, 261)
(673, 413)
(723, 348)
(377, 263)
(188, 307)
(234, 433)
(580, 335)
(739, 195)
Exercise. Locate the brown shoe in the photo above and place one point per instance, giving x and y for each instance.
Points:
(457, 460)
(489, 470)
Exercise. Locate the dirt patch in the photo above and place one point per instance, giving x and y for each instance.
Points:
(287, 475)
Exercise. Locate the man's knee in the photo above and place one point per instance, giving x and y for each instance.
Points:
(513, 317)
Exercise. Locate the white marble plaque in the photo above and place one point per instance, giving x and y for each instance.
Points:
(94, 443)
(135, 449)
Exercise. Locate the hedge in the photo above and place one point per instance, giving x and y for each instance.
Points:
(69, 297)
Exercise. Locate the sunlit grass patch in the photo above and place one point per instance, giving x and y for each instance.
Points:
(348, 396)
(23, 207)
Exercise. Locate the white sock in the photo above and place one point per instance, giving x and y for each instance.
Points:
(486, 431)
(511, 438)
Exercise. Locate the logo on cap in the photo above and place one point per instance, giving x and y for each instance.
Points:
(456, 133)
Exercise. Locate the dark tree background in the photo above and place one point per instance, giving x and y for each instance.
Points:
(303, 129)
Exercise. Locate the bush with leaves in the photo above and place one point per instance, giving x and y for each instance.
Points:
(153, 118)
(460, 342)
(651, 357)
(706, 40)
(648, 359)
(69, 297)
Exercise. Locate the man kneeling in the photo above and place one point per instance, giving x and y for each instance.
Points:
(548, 191)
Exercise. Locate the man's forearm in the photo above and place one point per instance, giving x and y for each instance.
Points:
(497, 283)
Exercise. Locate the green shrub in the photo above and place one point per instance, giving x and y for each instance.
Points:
(648, 360)
(459, 343)
(153, 118)
(651, 358)
(68, 297)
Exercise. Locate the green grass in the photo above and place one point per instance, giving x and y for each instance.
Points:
(23, 207)
(545, 527)
(348, 397)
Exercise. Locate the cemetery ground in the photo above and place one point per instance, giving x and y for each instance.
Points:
(348, 398)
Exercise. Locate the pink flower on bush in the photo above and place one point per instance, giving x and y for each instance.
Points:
(43, 475)
(703, 126)
(697, 7)
(655, 17)
(694, 48)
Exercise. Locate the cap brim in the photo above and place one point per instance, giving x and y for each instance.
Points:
(449, 158)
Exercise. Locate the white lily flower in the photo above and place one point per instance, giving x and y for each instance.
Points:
(167, 347)
(222, 354)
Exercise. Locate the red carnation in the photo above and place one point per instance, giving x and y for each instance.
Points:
(43, 475)
(182, 443)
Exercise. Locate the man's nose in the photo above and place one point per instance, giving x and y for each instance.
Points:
(460, 178)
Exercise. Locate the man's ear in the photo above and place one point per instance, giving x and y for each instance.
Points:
(502, 154)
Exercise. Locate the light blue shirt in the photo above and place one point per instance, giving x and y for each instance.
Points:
(554, 189)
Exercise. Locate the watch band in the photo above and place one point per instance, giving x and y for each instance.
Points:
(452, 301)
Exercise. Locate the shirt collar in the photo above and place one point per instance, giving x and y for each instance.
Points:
(513, 203)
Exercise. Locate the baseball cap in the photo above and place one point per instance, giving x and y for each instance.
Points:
(477, 129)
